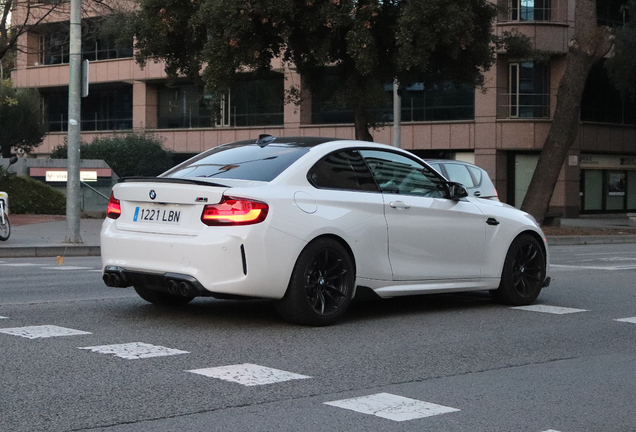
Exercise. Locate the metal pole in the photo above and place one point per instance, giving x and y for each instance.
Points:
(397, 115)
(74, 122)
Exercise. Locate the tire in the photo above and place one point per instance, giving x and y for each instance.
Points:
(523, 272)
(5, 228)
(321, 285)
(161, 298)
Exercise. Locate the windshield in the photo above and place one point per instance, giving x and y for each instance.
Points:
(241, 162)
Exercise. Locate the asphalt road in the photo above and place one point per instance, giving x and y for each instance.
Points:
(441, 362)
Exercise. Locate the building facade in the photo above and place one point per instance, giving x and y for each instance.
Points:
(501, 127)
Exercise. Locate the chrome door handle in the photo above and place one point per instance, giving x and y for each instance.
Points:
(477, 193)
(400, 205)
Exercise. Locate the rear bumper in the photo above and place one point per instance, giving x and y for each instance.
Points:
(252, 261)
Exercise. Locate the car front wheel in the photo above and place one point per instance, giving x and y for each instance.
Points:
(321, 285)
(523, 272)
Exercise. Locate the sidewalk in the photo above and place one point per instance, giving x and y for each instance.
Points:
(44, 235)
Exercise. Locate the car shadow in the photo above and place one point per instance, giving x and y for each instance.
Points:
(210, 312)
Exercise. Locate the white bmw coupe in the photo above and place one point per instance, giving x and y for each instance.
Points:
(310, 221)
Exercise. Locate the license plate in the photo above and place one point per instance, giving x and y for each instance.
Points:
(143, 214)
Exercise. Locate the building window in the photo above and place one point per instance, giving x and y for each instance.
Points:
(252, 101)
(529, 90)
(439, 102)
(529, 10)
(103, 109)
(603, 103)
(54, 45)
(420, 102)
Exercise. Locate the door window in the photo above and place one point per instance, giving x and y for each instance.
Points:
(398, 174)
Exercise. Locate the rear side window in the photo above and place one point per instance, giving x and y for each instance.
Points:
(477, 173)
(460, 174)
(343, 170)
(241, 162)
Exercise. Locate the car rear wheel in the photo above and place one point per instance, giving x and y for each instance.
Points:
(523, 273)
(321, 285)
(161, 298)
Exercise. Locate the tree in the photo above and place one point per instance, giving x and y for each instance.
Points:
(368, 42)
(21, 124)
(622, 65)
(129, 154)
(19, 16)
(589, 44)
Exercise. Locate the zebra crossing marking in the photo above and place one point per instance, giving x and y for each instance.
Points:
(392, 407)
(42, 331)
(249, 374)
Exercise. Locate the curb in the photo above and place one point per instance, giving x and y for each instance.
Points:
(590, 240)
(49, 251)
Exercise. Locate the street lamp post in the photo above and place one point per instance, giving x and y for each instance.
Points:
(74, 123)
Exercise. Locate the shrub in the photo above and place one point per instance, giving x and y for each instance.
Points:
(29, 196)
(131, 154)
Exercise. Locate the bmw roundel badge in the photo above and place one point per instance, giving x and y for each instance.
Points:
(153, 194)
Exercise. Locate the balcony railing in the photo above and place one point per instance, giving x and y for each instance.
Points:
(532, 11)
(523, 105)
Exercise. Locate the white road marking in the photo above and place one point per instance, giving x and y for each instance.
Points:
(582, 267)
(43, 331)
(1, 317)
(627, 320)
(392, 407)
(135, 350)
(19, 265)
(550, 309)
(67, 268)
(249, 374)
(551, 430)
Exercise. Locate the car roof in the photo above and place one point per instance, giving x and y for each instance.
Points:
(445, 161)
(291, 141)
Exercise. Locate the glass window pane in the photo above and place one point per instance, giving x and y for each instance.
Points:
(459, 173)
(398, 174)
(343, 170)
(243, 162)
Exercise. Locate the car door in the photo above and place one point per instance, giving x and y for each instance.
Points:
(430, 235)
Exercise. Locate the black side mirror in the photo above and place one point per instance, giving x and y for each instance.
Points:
(13, 160)
(456, 191)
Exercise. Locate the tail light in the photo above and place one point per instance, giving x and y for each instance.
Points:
(114, 207)
(234, 211)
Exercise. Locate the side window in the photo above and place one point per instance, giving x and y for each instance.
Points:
(460, 174)
(477, 173)
(398, 174)
(344, 170)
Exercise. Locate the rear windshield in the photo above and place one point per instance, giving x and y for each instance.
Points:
(241, 162)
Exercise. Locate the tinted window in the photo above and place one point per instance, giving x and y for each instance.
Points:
(343, 170)
(396, 173)
(459, 173)
(242, 162)
(477, 173)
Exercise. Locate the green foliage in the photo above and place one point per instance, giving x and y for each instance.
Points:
(621, 66)
(131, 154)
(371, 42)
(29, 196)
(21, 125)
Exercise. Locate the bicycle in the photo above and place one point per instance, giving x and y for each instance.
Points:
(5, 224)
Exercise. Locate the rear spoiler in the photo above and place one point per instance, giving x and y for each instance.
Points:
(169, 180)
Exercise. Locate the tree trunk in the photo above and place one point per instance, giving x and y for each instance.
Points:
(590, 44)
(361, 119)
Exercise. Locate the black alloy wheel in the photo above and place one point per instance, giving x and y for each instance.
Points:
(321, 285)
(523, 273)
